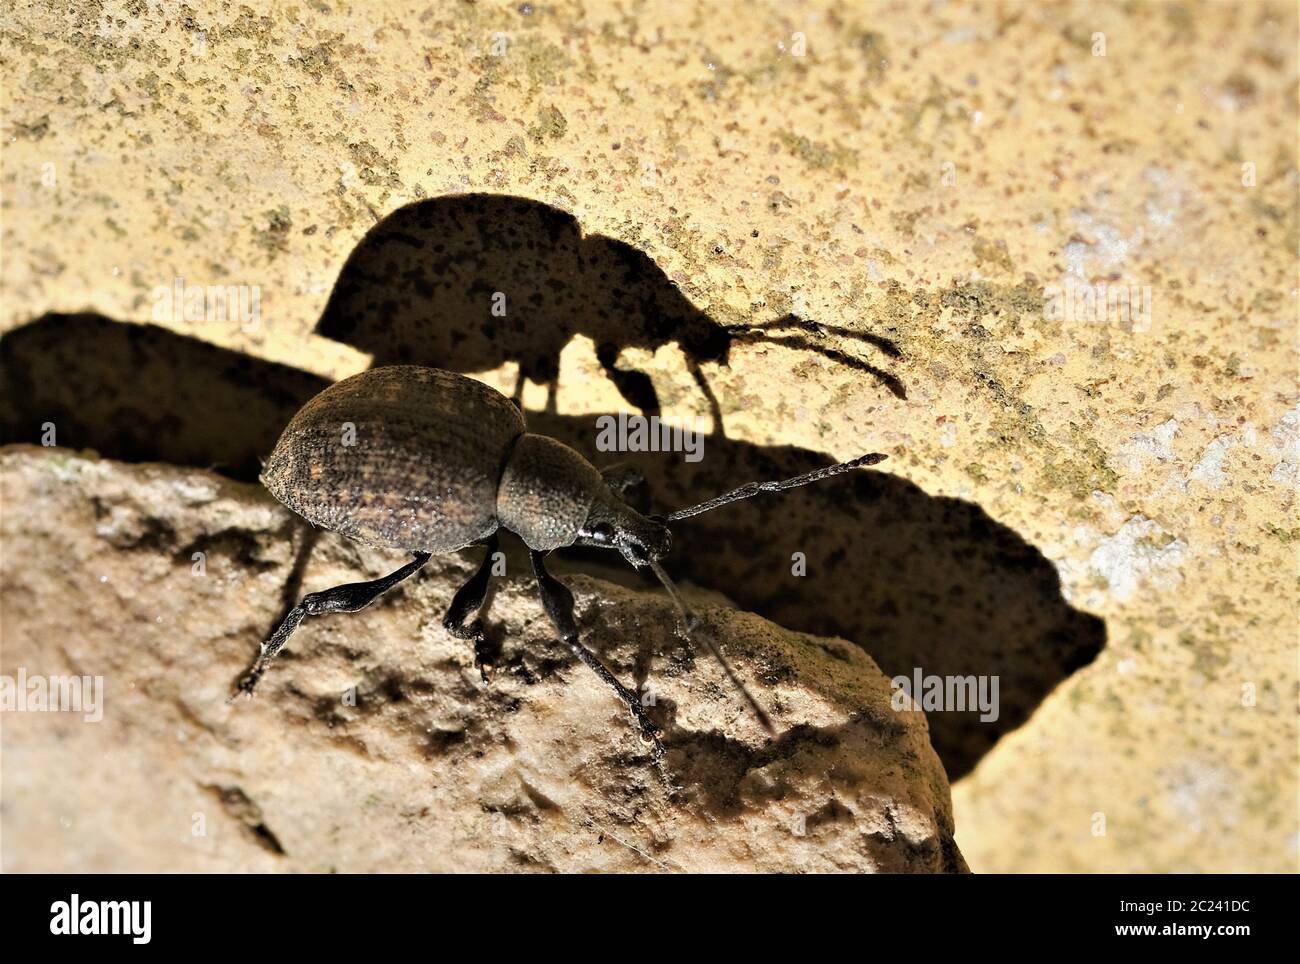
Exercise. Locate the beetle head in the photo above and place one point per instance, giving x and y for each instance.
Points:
(614, 524)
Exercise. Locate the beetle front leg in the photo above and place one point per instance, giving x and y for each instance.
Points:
(469, 599)
(349, 598)
(557, 600)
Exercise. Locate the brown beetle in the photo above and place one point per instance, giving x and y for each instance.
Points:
(432, 461)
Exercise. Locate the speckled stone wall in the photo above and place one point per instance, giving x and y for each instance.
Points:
(958, 179)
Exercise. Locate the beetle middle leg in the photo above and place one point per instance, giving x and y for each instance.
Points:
(469, 599)
(558, 603)
(349, 598)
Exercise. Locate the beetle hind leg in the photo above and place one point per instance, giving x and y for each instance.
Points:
(558, 602)
(349, 598)
(469, 599)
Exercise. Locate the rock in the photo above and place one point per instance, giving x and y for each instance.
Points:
(372, 744)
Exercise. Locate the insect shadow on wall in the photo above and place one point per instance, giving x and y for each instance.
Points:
(428, 285)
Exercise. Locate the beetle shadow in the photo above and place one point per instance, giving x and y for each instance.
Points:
(918, 581)
(140, 393)
(468, 282)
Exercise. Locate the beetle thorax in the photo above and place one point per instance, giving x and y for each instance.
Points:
(546, 491)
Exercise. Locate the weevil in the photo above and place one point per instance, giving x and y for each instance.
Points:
(430, 461)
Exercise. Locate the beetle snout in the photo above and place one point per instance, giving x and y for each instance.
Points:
(616, 526)
(662, 542)
(652, 541)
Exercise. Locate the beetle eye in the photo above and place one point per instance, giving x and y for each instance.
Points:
(602, 532)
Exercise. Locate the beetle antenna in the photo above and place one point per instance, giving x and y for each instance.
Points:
(750, 489)
(694, 629)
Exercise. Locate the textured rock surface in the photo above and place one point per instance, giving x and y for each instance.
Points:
(373, 746)
(922, 172)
